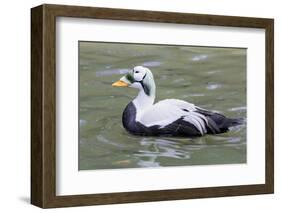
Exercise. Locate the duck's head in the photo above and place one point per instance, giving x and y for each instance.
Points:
(139, 77)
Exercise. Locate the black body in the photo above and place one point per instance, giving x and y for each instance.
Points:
(217, 123)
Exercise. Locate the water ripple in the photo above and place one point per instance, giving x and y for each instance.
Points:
(152, 63)
(199, 57)
(213, 86)
(234, 109)
(111, 72)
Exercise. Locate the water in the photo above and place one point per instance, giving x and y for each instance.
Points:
(212, 78)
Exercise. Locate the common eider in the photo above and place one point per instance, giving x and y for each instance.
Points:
(170, 117)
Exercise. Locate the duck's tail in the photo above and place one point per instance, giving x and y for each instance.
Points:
(223, 123)
(218, 123)
(234, 121)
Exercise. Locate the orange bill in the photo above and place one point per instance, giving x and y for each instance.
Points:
(120, 84)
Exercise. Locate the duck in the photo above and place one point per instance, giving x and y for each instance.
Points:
(169, 117)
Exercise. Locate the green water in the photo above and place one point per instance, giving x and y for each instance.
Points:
(212, 78)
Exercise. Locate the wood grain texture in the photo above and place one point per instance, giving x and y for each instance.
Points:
(156, 16)
(43, 105)
(36, 106)
(269, 99)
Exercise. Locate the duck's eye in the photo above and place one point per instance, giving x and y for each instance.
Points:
(137, 71)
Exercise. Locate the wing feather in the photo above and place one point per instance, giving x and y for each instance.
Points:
(168, 111)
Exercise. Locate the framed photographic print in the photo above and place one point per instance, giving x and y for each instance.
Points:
(136, 106)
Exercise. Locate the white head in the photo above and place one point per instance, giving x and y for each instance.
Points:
(139, 77)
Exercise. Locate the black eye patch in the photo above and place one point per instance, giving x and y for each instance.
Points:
(137, 71)
(130, 78)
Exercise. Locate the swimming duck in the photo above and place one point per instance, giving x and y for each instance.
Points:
(170, 117)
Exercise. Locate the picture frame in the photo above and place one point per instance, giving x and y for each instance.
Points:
(43, 105)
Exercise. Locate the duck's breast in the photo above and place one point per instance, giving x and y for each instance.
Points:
(129, 118)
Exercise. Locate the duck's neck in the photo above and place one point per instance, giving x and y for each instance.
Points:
(142, 101)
